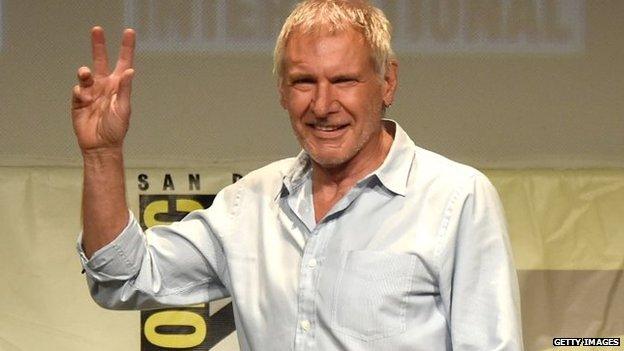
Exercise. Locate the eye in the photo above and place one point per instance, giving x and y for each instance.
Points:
(300, 81)
(303, 81)
(345, 81)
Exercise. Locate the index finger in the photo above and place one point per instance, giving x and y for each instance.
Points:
(98, 51)
(126, 53)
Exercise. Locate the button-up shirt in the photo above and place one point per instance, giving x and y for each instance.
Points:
(414, 257)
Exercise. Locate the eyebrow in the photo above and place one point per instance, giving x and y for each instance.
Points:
(303, 75)
(342, 76)
(298, 76)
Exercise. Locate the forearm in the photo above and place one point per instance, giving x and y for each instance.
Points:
(183, 264)
(104, 207)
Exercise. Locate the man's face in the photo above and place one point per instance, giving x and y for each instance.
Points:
(334, 96)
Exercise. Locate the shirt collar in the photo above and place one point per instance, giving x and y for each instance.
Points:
(392, 173)
(296, 174)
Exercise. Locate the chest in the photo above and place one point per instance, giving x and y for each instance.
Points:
(355, 271)
(273, 248)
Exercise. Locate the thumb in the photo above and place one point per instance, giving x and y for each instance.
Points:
(124, 91)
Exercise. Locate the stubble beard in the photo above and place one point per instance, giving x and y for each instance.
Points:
(334, 162)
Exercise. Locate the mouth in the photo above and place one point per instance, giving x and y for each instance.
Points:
(327, 131)
(328, 128)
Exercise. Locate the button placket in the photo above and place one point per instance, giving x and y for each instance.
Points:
(306, 293)
(305, 325)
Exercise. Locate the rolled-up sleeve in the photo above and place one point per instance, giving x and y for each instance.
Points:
(120, 259)
(477, 277)
(178, 264)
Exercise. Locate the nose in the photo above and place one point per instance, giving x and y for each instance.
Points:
(324, 102)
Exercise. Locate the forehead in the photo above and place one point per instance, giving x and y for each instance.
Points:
(325, 48)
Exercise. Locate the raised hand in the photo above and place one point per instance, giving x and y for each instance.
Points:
(101, 99)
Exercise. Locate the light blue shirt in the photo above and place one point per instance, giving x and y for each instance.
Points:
(415, 257)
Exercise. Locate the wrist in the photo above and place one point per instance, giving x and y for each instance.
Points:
(103, 159)
(102, 153)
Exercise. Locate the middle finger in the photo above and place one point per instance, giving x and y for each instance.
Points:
(126, 53)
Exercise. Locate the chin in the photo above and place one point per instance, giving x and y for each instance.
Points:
(329, 157)
(329, 161)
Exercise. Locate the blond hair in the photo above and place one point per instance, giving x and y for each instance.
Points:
(314, 16)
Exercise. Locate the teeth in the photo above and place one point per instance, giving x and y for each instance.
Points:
(326, 128)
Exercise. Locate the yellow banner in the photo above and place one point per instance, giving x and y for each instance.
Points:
(566, 227)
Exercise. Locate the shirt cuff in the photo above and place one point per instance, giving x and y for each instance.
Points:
(118, 260)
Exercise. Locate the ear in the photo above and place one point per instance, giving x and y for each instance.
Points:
(391, 80)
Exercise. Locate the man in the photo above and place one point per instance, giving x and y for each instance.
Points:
(363, 241)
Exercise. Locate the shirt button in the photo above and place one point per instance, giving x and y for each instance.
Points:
(305, 325)
(312, 263)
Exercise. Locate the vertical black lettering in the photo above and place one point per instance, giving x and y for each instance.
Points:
(168, 182)
(143, 183)
(193, 180)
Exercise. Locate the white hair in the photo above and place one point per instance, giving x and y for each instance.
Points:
(317, 16)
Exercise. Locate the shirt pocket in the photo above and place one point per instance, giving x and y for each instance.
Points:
(369, 298)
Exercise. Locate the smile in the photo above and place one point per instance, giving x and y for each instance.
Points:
(324, 131)
(329, 128)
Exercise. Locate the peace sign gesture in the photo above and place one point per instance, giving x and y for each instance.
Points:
(101, 99)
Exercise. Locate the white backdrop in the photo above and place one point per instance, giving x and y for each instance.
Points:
(493, 83)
